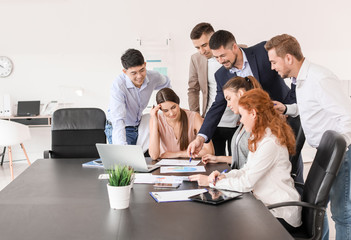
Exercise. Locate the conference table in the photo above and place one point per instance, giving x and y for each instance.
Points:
(60, 199)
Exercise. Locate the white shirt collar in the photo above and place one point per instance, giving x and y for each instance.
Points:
(302, 75)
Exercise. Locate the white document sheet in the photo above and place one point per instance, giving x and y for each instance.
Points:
(175, 196)
(182, 169)
(148, 178)
(152, 179)
(136, 175)
(177, 162)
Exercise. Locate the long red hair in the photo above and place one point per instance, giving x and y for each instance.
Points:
(266, 117)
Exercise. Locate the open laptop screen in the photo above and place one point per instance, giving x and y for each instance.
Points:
(130, 155)
(28, 108)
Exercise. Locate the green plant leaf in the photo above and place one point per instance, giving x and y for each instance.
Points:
(120, 175)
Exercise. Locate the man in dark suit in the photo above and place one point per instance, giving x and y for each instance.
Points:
(242, 62)
(202, 79)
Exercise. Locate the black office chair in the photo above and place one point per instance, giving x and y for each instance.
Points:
(295, 124)
(325, 166)
(75, 131)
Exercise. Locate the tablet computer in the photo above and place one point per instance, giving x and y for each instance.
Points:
(215, 196)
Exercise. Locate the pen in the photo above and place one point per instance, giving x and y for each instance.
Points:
(224, 171)
(191, 157)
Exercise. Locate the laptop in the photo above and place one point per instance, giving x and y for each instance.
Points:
(131, 155)
(28, 108)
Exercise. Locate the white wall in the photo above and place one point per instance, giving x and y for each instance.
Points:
(62, 44)
(59, 45)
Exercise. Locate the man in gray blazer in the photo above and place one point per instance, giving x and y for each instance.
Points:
(201, 78)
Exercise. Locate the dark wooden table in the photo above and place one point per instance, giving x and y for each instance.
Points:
(59, 199)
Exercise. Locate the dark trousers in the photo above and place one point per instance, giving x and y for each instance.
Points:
(221, 138)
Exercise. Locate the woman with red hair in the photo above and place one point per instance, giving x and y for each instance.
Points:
(267, 171)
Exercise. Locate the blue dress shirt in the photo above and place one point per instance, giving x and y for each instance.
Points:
(245, 71)
(127, 102)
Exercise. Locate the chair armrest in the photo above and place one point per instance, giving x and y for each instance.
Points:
(47, 153)
(295, 203)
(298, 184)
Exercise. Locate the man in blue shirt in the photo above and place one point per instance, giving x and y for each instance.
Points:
(130, 94)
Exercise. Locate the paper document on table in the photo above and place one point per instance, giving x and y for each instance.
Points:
(103, 176)
(141, 176)
(152, 179)
(177, 162)
(148, 178)
(179, 169)
(175, 196)
(94, 164)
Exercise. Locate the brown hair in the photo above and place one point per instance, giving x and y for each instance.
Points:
(247, 83)
(199, 29)
(167, 94)
(285, 44)
(266, 117)
(222, 38)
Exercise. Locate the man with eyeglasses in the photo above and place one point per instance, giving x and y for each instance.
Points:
(130, 94)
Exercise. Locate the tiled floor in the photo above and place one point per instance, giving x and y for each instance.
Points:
(21, 165)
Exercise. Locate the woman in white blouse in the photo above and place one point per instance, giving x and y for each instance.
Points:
(267, 171)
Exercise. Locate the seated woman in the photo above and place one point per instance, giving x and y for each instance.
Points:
(172, 130)
(267, 171)
(233, 90)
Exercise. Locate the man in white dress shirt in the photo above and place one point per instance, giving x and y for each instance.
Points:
(322, 106)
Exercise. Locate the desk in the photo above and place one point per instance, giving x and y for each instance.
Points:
(59, 199)
(31, 121)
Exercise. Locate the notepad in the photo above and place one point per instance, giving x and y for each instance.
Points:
(177, 162)
(175, 196)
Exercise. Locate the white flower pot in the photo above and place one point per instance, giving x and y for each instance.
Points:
(119, 196)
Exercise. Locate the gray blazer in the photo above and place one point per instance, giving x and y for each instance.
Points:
(240, 150)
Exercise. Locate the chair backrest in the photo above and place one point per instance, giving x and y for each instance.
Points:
(12, 133)
(295, 124)
(75, 131)
(325, 166)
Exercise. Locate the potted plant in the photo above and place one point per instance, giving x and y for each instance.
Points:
(119, 185)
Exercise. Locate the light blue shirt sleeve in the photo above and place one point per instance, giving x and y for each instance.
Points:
(127, 102)
(204, 136)
(117, 112)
